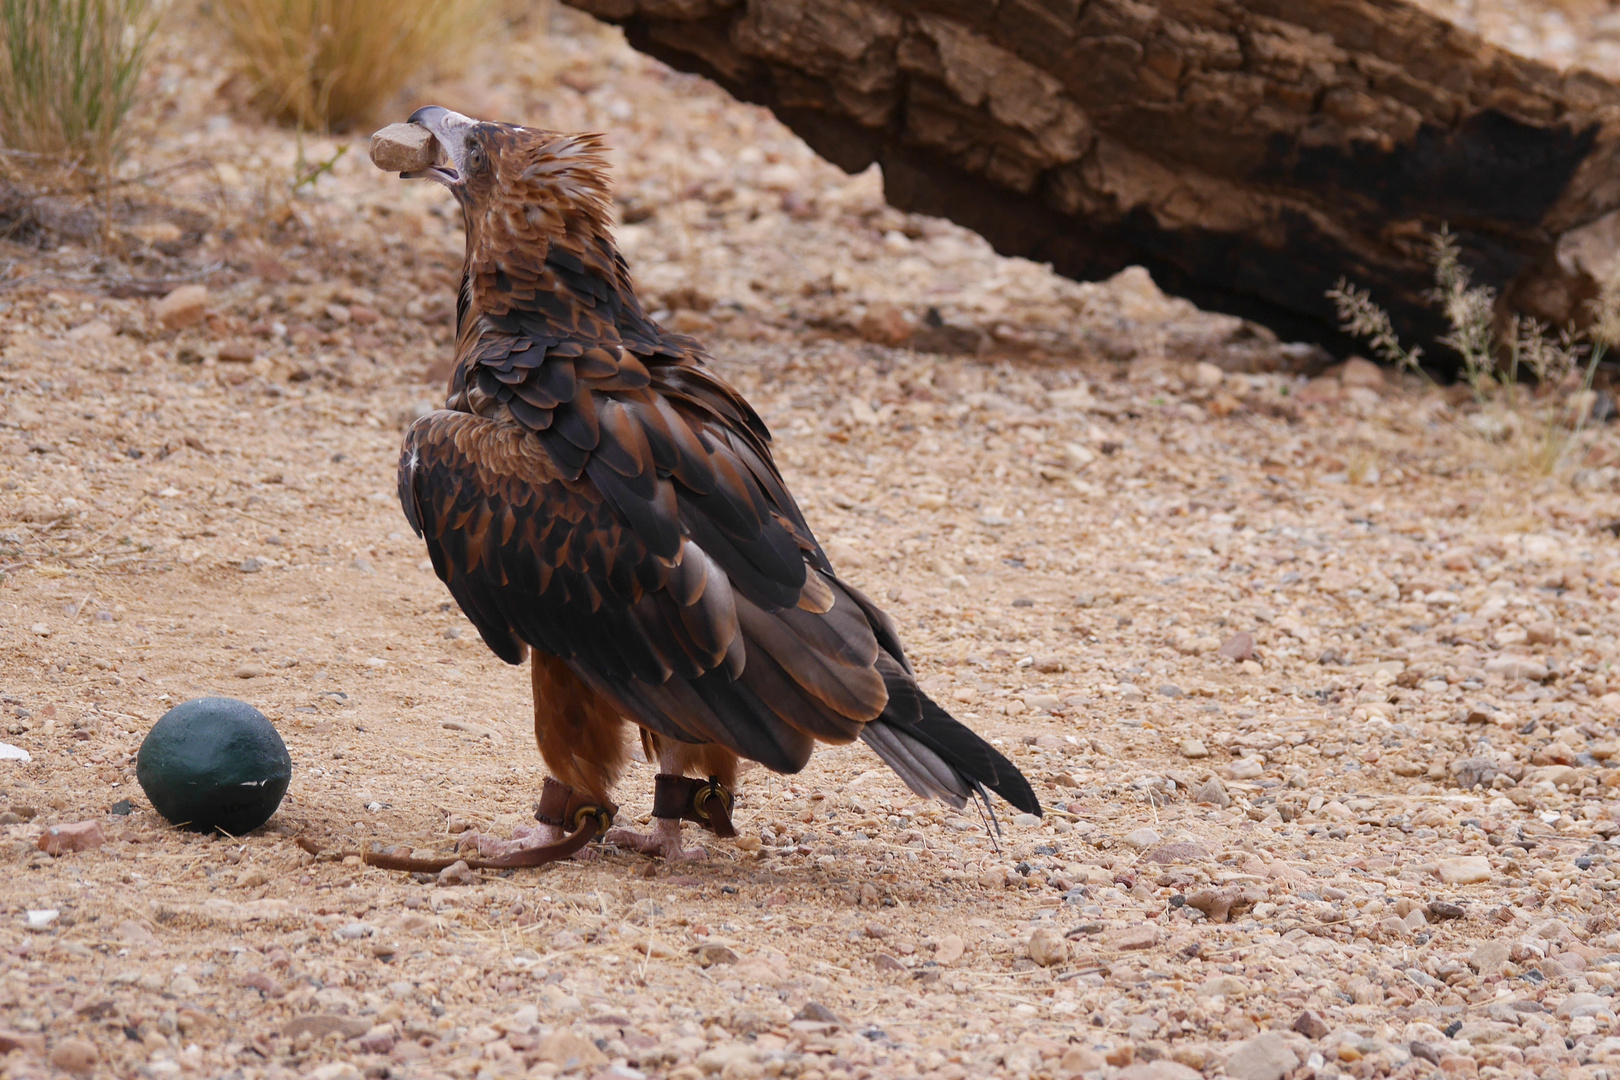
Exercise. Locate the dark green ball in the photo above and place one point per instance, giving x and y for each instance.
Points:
(214, 763)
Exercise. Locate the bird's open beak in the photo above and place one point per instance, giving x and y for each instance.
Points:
(449, 129)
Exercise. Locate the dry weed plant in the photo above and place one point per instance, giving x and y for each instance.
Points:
(327, 64)
(1552, 413)
(68, 75)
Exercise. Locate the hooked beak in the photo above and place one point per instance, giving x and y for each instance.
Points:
(449, 130)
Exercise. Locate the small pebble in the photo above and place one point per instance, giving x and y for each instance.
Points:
(1464, 870)
(1142, 839)
(75, 1055)
(1047, 947)
(1239, 646)
(79, 836)
(182, 307)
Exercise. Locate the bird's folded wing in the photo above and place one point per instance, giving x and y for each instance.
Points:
(690, 601)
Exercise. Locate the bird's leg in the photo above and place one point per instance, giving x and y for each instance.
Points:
(672, 801)
(554, 818)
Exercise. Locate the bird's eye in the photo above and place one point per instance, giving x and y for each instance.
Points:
(475, 155)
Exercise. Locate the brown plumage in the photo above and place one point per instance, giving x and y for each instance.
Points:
(594, 495)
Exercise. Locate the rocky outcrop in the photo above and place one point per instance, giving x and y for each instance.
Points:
(1249, 154)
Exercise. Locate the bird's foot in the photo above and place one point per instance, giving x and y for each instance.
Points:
(523, 838)
(664, 840)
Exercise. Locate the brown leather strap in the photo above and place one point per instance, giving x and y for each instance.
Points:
(686, 798)
(560, 804)
(585, 820)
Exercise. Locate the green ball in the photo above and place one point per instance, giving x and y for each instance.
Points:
(214, 763)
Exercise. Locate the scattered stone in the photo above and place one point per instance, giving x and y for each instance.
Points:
(1080, 1059)
(79, 836)
(1193, 748)
(948, 950)
(182, 307)
(1141, 839)
(884, 324)
(887, 962)
(1047, 947)
(14, 753)
(1542, 633)
(567, 1051)
(813, 1012)
(1311, 1026)
(1161, 1069)
(1516, 668)
(713, 953)
(75, 1055)
(1121, 1056)
(27, 1042)
(264, 984)
(135, 933)
(1264, 1057)
(1489, 956)
(1424, 1052)
(320, 1025)
(1583, 1005)
(1239, 647)
(728, 1059)
(1219, 904)
(1464, 870)
(1442, 910)
(1133, 938)
(334, 1070)
(1473, 772)
(1222, 986)
(1360, 372)
(1178, 851)
(458, 873)
(1213, 792)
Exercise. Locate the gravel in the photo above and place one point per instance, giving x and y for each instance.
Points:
(1381, 796)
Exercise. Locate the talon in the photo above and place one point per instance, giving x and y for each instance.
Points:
(664, 840)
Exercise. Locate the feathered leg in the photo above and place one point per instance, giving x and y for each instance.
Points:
(677, 759)
(581, 738)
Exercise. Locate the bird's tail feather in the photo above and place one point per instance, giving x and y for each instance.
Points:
(939, 757)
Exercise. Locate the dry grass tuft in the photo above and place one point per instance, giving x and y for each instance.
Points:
(324, 64)
(1540, 424)
(68, 72)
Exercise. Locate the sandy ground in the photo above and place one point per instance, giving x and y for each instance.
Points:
(1317, 680)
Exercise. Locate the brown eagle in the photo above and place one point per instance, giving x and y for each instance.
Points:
(600, 501)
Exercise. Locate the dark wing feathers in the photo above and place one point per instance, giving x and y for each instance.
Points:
(593, 492)
(594, 572)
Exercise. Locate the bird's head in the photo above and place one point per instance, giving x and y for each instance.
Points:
(523, 191)
(544, 178)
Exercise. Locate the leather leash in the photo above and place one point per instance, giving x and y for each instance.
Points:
(559, 806)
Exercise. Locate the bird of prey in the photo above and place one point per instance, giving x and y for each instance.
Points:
(599, 501)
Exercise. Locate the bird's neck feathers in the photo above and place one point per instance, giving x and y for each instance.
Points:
(540, 247)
